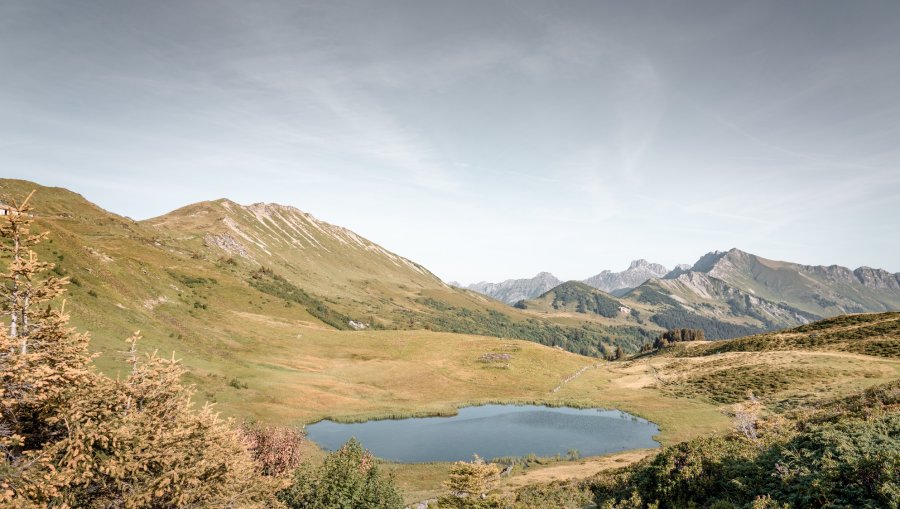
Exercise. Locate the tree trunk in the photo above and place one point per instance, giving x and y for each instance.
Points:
(24, 348)
(13, 308)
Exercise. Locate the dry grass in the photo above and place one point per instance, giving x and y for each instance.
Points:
(568, 470)
(305, 373)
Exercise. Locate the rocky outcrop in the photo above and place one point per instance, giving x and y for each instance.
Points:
(877, 278)
(679, 269)
(635, 275)
(696, 287)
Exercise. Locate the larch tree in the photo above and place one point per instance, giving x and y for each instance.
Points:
(71, 437)
(469, 484)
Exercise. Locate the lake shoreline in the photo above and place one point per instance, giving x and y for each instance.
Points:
(494, 431)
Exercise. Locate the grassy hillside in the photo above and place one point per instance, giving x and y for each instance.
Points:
(694, 300)
(186, 278)
(691, 393)
(846, 454)
(819, 290)
(575, 296)
(825, 414)
(788, 369)
(872, 334)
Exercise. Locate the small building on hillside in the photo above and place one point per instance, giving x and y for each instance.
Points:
(6, 210)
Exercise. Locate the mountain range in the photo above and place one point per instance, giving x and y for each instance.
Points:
(615, 283)
(215, 277)
(514, 290)
(727, 293)
(821, 290)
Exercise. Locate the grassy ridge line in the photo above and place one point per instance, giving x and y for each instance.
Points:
(174, 278)
(873, 334)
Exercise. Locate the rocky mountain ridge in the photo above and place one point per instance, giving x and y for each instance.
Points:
(817, 289)
(733, 292)
(618, 283)
(514, 290)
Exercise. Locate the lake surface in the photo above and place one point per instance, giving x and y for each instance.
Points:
(493, 431)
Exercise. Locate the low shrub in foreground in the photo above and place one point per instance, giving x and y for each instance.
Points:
(847, 461)
(349, 478)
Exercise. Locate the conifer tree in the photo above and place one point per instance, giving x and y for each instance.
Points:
(72, 438)
(469, 484)
(42, 360)
(27, 288)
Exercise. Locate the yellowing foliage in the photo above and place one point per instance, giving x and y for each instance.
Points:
(70, 437)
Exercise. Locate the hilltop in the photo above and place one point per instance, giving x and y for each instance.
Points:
(574, 298)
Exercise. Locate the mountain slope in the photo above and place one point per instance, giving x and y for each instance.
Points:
(214, 273)
(821, 290)
(514, 290)
(577, 297)
(617, 283)
(270, 234)
(755, 294)
(354, 275)
(875, 334)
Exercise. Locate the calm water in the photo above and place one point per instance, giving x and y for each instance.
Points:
(493, 431)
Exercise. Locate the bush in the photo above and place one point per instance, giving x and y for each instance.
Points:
(558, 495)
(847, 462)
(348, 479)
(276, 450)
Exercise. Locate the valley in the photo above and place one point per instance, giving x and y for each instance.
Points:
(282, 319)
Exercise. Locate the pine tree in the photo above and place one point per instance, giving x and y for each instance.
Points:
(42, 360)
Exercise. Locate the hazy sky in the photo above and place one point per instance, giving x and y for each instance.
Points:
(485, 140)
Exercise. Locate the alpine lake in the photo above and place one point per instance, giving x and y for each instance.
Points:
(493, 431)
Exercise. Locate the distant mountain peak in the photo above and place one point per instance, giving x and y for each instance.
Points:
(514, 290)
(708, 261)
(679, 269)
(637, 273)
(640, 262)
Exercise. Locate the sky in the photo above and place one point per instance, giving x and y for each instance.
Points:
(484, 139)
